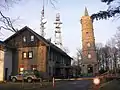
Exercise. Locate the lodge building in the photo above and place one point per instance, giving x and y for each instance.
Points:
(28, 50)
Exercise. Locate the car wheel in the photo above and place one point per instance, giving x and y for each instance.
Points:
(14, 79)
(29, 80)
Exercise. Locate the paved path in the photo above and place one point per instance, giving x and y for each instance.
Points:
(64, 85)
(73, 85)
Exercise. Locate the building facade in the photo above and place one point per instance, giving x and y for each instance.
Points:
(1, 61)
(89, 58)
(30, 51)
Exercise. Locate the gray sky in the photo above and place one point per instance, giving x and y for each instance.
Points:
(71, 12)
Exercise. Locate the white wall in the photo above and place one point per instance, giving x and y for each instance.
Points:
(1, 65)
(8, 62)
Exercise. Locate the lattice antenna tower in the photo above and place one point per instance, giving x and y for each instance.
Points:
(43, 22)
(58, 37)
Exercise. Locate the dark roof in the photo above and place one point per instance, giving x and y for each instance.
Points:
(47, 42)
(1, 43)
(27, 28)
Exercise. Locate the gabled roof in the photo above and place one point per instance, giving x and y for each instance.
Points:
(1, 43)
(48, 43)
(27, 28)
(86, 12)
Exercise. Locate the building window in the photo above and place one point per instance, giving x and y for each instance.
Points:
(24, 55)
(33, 67)
(89, 55)
(24, 39)
(30, 54)
(87, 35)
(32, 38)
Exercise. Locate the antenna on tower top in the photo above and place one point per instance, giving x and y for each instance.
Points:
(58, 38)
(43, 22)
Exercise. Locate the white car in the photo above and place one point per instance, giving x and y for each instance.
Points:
(28, 75)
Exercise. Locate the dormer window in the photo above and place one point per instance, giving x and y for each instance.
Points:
(32, 38)
(24, 39)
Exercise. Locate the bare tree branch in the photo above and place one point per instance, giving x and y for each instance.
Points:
(52, 3)
(8, 3)
(8, 23)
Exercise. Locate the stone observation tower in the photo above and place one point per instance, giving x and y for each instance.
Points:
(89, 58)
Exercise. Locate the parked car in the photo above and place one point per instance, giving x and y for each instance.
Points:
(27, 75)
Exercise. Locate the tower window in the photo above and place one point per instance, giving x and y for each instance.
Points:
(32, 38)
(89, 56)
(87, 34)
(88, 44)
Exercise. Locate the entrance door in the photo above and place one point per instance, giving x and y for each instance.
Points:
(90, 68)
(6, 73)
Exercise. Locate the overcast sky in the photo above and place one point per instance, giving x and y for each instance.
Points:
(71, 12)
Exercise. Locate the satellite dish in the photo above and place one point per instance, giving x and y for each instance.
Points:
(44, 20)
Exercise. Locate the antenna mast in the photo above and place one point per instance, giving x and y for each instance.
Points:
(58, 38)
(43, 22)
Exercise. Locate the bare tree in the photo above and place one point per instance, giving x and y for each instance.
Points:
(114, 44)
(103, 57)
(7, 23)
(99, 47)
(106, 56)
(74, 61)
(79, 56)
(117, 38)
(52, 2)
(5, 4)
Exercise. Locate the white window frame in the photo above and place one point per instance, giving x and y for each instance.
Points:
(24, 39)
(24, 55)
(32, 38)
(30, 54)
